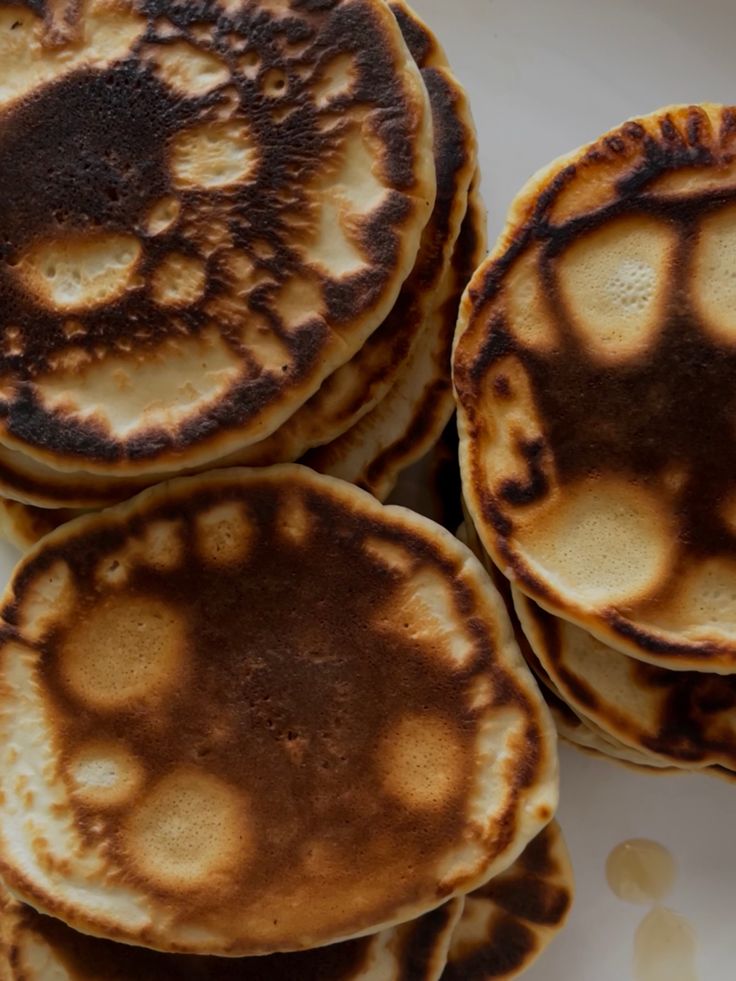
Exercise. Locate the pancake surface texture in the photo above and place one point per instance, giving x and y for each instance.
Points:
(594, 368)
(229, 211)
(507, 923)
(34, 947)
(257, 711)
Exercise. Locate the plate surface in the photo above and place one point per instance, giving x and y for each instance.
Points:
(545, 76)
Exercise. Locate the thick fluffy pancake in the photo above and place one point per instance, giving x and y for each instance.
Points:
(257, 711)
(37, 947)
(687, 718)
(507, 923)
(594, 370)
(227, 213)
(407, 421)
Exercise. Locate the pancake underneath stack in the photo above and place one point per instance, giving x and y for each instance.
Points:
(497, 932)
(256, 711)
(288, 267)
(593, 369)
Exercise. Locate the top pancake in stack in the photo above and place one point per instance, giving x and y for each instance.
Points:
(255, 710)
(207, 209)
(594, 369)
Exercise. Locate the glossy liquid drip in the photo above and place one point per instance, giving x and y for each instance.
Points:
(664, 948)
(641, 871)
(644, 872)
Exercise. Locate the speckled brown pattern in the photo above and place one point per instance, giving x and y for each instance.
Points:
(559, 404)
(263, 84)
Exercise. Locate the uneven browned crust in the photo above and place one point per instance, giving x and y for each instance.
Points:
(692, 725)
(416, 946)
(663, 421)
(349, 394)
(371, 454)
(22, 525)
(315, 575)
(527, 905)
(110, 164)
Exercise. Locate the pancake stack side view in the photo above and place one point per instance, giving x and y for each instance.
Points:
(592, 368)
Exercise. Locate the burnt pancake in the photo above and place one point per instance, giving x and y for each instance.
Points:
(257, 711)
(351, 392)
(372, 453)
(509, 922)
(594, 372)
(35, 947)
(410, 418)
(206, 208)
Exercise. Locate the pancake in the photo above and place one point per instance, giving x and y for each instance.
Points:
(584, 736)
(684, 717)
(507, 924)
(405, 424)
(229, 212)
(22, 525)
(593, 368)
(353, 389)
(256, 711)
(37, 947)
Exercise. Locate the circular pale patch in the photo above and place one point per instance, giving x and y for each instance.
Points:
(189, 828)
(124, 649)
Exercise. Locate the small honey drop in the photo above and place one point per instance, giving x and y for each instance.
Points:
(664, 948)
(641, 871)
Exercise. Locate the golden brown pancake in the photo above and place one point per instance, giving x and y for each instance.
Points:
(228, 212)
(407, 421)
(507, 923)
(35, 947)
(593, 367)
(686, 718)
(256, 711)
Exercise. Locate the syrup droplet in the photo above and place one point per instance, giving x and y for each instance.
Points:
(641, 871)
(664, 948)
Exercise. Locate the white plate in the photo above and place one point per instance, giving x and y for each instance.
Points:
(545, 76)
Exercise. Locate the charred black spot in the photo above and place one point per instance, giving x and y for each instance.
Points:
(516, 493)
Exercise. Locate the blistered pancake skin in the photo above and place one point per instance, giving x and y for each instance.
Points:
(364, 382)
(594, 369)
(686, 717)
(280, 715)
(411, 417)
(31, 942)
(523, 909)
(212, 159)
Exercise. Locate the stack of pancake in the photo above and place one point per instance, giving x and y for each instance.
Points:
(245, 245)
(594, 369)
(255, 724)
